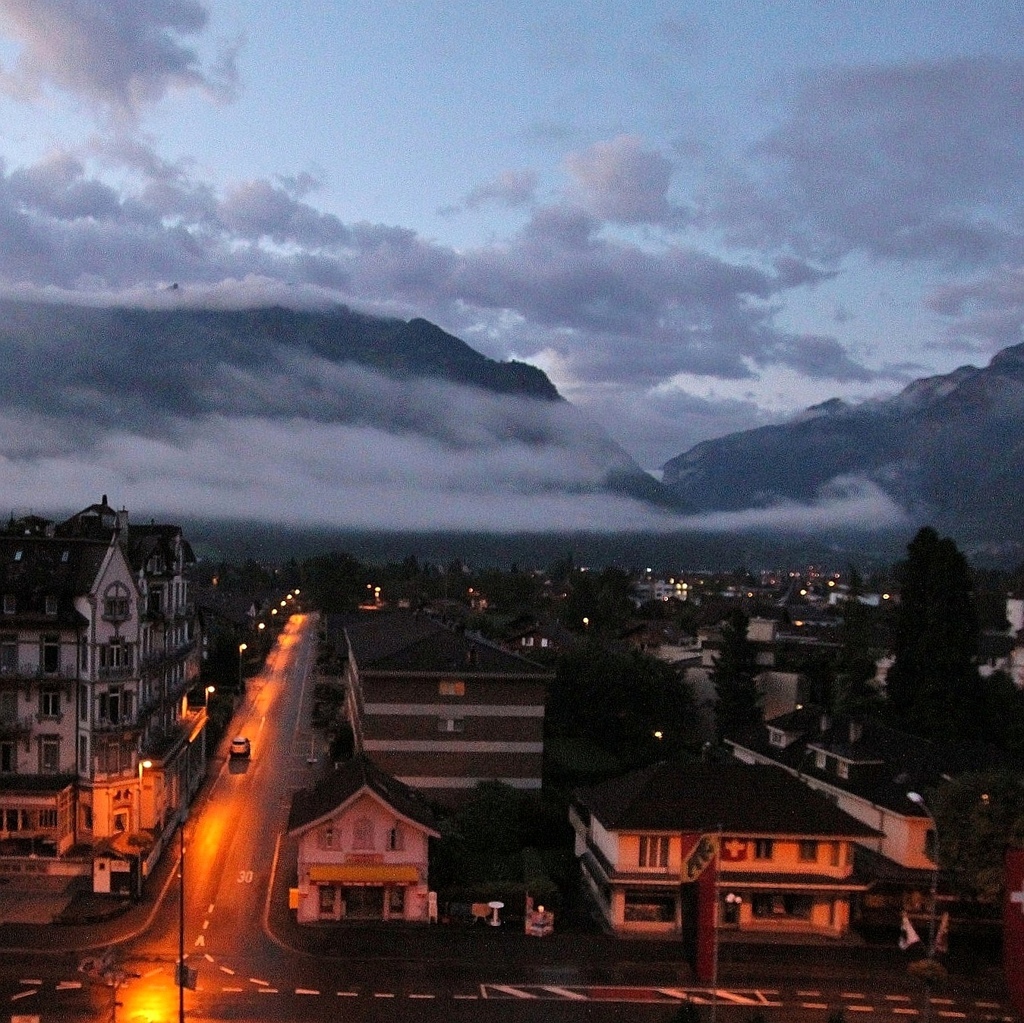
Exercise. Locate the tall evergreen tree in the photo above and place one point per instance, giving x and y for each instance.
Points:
(738, 706)
(933, 682)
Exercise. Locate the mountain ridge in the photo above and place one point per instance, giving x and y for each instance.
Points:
(947, 449)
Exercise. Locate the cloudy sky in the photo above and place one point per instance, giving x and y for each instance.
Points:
(696, 218)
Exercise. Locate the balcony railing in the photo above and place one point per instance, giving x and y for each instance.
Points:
(115, 671)
(62, 673)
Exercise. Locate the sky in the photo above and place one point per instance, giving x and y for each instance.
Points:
(696, 218)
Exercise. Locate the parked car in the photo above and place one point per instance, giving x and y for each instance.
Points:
(240, 747)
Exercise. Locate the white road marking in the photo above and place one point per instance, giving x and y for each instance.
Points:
(31, 983)
(348, 994)
(267, 990)
(306, 991)
(153, 972)
(383, 994)
(422, 996)
(897, 998)
(24, 994)
(814, 1005)
(69, 985)
(232, 990)
(226, 969)
(254, 980)
(467, 998)
(564, 993)
(900, 1011)
(514, 991)
(208, 957)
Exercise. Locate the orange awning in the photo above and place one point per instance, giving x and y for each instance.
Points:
(364, 873)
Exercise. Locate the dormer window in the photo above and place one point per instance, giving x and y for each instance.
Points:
(776, 737)
(820, 760)
(843, 768)
(51, 605)
(18, 554)
(10, 604)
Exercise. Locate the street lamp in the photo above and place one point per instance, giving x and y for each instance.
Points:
(242, 647)
(916, 797)
(144, 765)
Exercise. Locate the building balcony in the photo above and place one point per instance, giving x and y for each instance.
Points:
(123, 724)
(33, 672)
(118, 671)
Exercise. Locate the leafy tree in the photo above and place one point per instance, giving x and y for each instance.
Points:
(619, 701)
(739, 703)
(977, 816)
(933, 681)
(604, 599)
(854, 692)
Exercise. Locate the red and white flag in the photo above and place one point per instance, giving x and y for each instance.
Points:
(1013, 926)
(908, 936)
(734, 850)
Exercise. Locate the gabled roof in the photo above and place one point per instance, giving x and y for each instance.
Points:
(342, 785)
(738, 798)
(406, 641)
(898, 761)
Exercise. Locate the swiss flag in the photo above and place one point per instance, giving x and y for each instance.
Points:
(1013, 926)
(734, 849)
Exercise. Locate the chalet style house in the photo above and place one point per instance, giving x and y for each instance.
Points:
(99, 645)
(782, 855)
(363, 847)
(867, 769)
(439, 709)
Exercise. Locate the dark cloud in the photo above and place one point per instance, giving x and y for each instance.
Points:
(116, 54)
(626, 182)
(987, 312)
(258, 210)
(918, 161)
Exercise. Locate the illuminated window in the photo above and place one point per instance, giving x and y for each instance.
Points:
(452, 688)
(764, 849)
(653, 851)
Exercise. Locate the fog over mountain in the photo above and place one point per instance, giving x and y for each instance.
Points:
(318, 416)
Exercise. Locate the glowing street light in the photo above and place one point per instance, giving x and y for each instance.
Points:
(242, 647)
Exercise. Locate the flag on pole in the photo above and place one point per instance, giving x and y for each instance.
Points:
(942, 934)
(908, 936)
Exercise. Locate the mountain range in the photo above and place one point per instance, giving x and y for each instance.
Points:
(948, 451)
(221, 400)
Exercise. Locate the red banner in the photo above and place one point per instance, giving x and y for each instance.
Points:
(700, 868)
(1013, 926)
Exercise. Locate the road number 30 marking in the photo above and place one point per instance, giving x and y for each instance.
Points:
(245, 877)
